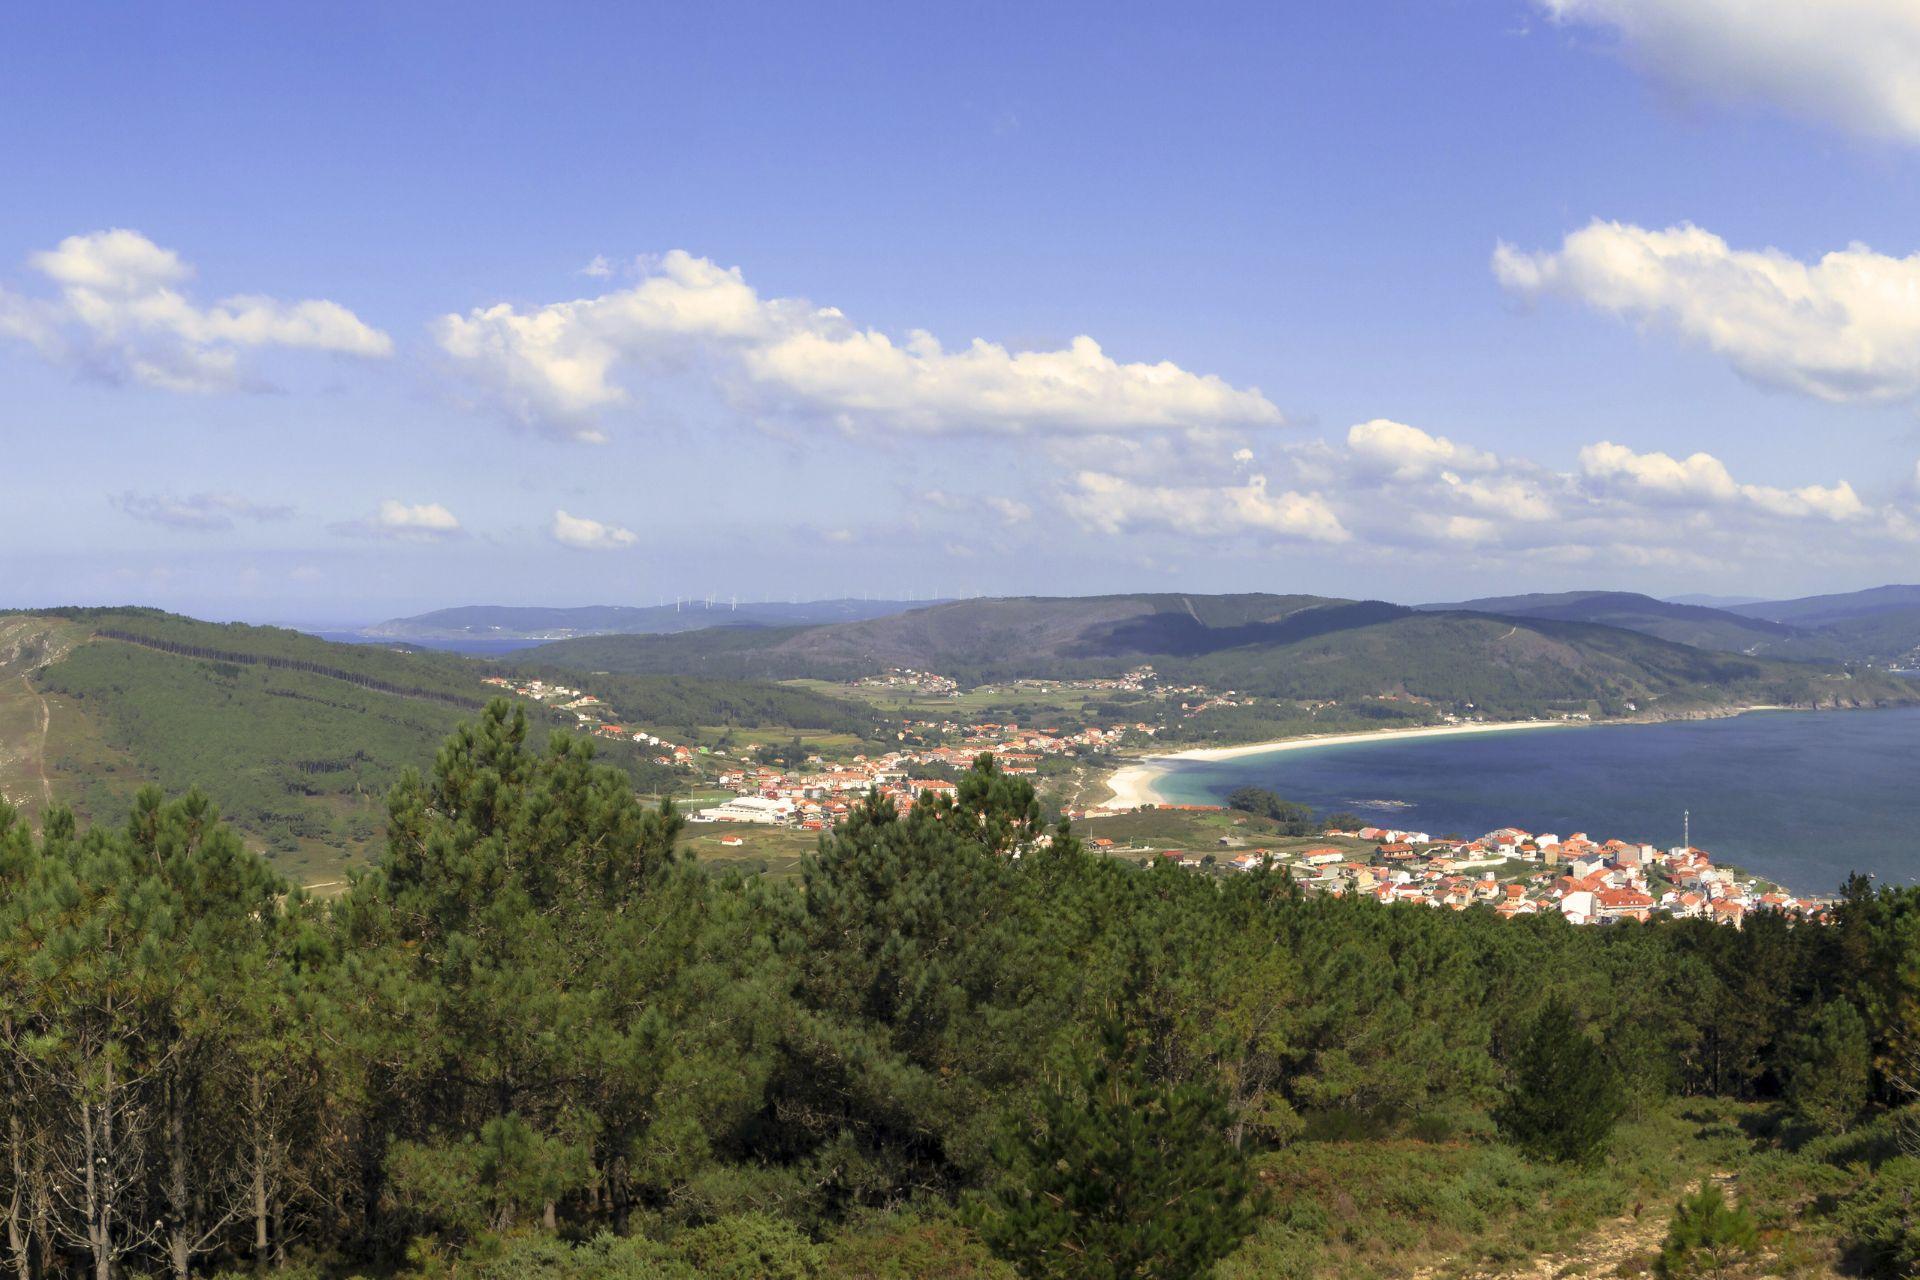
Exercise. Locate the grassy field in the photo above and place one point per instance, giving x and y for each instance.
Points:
(1223, 832)
(769, 851)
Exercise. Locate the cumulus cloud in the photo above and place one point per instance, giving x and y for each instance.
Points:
(558, 366)
(1844, 328)
(590, 535)
(416, 522)
(121, 313)
(1391, 489)
(1113, 504)
(1853, 63)
(207, 512)
(1702, 478)
(1408, 451)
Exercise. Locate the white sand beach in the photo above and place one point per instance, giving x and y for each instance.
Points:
(1133, 783)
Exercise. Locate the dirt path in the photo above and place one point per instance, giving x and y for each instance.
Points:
(40, 757)
(1604, 1249)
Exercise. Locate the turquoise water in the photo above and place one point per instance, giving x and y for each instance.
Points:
(1803, 798)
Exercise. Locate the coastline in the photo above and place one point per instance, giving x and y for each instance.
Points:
(1132, 783)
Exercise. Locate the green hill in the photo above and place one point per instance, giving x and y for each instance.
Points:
(1298, 647)
(1696, 625)
(296, 738)
(1881, 624)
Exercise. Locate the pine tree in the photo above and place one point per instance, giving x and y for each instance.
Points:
(1828, 1067)
(1119, 1176)
(1708, 1236)
(1564, 1098)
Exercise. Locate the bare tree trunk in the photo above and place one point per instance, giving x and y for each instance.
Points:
(99, 1217)
(180, 1225)
(42, 1209)
(256, 1100)
(19, 1202)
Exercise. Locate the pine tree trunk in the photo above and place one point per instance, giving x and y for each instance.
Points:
(97, 1216)
(260, 1148)
(19, 1228)
(179, 1198)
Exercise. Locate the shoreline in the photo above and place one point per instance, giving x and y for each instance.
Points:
(1132, 783)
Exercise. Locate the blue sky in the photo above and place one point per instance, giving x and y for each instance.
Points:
(330, 315)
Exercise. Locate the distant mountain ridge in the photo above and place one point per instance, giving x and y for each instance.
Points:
(1304, 648)
(1880, 624)
(509, 622)
(1814, 610)
(1701, 626)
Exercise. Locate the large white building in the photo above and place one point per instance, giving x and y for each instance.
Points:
(748, 809)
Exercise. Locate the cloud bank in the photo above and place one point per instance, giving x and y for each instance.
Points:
(560, 366)
(204, 512)
(120, 314)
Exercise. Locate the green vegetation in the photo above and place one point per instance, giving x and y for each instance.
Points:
(299, 740)
(1119, 1175)
(1377, 662)
(1708, 1238)
(1290, 818)
(1565, 1096)
(679, 702)
(1696, 625)
(538, 1039)
(294, 756)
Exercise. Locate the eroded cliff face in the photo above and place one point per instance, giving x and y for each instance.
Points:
(28, 643)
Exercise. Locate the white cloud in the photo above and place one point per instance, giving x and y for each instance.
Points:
(121, 314)
(201, 511)
(590, 535)
(1010, 510)
(558, 366)
(417, 522)
(1854, 63)
(1114, 505)
(1408, 451)
(1703, 478)
(1845, 328)
(598, 269)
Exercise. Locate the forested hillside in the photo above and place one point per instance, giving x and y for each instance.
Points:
(537, 1041)
(1696, 625)
(1295, 647)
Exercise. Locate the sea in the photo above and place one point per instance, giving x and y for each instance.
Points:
(1802, 798)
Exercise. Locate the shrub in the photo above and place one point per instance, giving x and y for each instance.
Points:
(1708, 1236)
(1880, 1222)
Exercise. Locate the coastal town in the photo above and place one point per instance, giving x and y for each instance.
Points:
(1584, 880)
(1514, 872)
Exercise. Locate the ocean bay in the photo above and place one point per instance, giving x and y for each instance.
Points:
(1800, 797)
